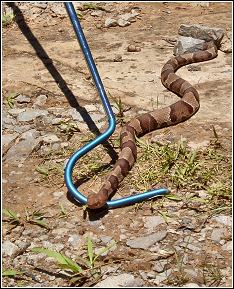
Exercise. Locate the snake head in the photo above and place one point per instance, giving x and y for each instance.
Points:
(96, 201)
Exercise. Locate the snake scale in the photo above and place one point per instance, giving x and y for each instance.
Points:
(177, 112)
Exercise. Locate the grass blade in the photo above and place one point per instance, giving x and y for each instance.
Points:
(90, 250)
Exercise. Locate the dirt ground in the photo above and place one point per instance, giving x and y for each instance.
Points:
(41, 56)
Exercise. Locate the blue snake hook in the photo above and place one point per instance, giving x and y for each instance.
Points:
(104, 136)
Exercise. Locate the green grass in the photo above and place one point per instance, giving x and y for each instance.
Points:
(83, 267)
(181, 168)
(7, 19)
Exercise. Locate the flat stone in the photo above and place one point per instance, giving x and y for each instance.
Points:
(226, 43)
(97, 13)
(201, 4)
(198, 145)
(151, 222)
(187, 45)
(40, 101)
(23, 99)
(224, 220)
(31, 114)
(159, 278)
(58, 246)
(90, 107)
(106, 239)
(20, 151)
(122, 280)
(7, 138)
(228, 246)
(58, 194)
(9, 248)
(122, 22)
(96, 116)
(40, 5)
(217, 235)
(58, 10)
(128, 17)
(202, 32)
(160, 265)
(110, 22)
(50, 138)
(146, 242)
(191, 285)
(75, 240)
(16, 111)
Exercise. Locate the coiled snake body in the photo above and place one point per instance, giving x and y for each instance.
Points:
(176, 113)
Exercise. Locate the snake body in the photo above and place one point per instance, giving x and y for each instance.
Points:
(177, 112)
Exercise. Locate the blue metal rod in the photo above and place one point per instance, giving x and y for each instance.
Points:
(104, 136)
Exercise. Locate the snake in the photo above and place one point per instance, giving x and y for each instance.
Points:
(139, 126)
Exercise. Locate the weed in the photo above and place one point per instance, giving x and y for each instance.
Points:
(7, 19)
(11, 273)
(36, 217)
(212, 275)
(13, 218)
(10, 99)
(118, 104)
(69, 128)
(82, 266)
(177, 166)
(63, 212)
(91, 6)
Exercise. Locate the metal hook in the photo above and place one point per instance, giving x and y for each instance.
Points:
(104, 136)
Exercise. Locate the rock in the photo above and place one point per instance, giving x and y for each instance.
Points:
(57, 247)
(59, 232)
(129, 17)
(228, 246)
(58, 10)
(56, 121)
(198, 145)
(224, 220)
(40, 101)
(187, 45)
(7, 138)
(20, 151)
(96, 117)
(97, 13)
(76, 115)
(90, 107)
(151, 222)
(50, 138)
(106, 239)
(75, 240)
(110, 22)
(118, 58)
(146, 242)
(22, 99)
(9, 248)
(217, 235)
(122, 280)
(58, 194)
(30, 134)
(123, 23)
(191, 285)
(16, 111)
(31, 114)
(202, 4)
(202, 32)
(133, 48)
(159, 278)
(226, 43)
(160, 265)
(41, 5)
